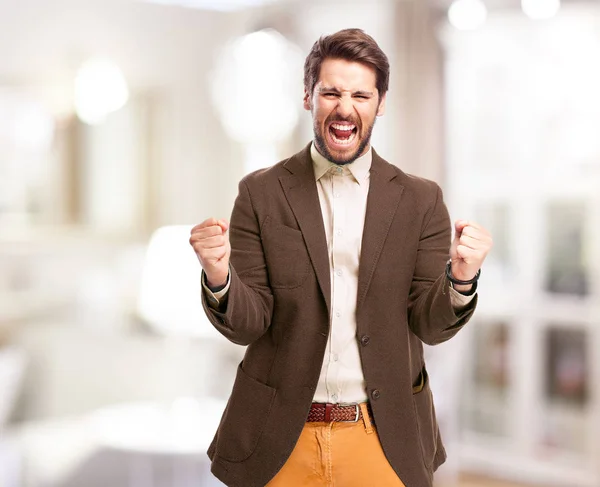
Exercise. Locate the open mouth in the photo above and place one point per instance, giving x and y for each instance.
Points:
(342, 133)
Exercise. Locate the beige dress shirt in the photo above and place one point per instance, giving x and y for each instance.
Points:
(343, 197)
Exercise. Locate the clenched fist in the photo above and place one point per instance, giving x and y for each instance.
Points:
(211, 244)
(469, 249)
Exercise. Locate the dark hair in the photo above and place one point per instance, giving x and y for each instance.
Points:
(350, 45)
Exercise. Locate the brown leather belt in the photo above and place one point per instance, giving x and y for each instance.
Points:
(326, 413)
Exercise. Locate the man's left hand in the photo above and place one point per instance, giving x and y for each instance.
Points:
(469, 249)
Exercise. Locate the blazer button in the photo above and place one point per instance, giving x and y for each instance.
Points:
(365, 340)
(376, 394)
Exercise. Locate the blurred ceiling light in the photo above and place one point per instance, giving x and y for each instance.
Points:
(257, 92)
(169, 298)
(256, 88)
(540, 9)
(218, 5)
(467, 14)
(100, 88)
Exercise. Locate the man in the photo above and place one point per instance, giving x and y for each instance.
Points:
(334, 273)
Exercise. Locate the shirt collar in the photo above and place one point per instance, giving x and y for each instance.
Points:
(359, 168)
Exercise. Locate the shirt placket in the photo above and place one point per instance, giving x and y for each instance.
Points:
(333, 385)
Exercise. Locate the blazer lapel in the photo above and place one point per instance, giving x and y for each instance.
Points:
(300, 189)
(384, 196)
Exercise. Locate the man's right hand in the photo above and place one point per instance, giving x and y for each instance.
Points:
(211, 244)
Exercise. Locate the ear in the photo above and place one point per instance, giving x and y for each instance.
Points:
(306, 100)
(381, 108)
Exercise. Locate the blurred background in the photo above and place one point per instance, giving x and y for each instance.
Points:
(123, 123)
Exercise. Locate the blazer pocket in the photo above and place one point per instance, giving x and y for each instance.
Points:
(244, 418)
(426, 420)
(287, 259)
(420, 382)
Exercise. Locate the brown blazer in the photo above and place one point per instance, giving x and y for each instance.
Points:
(279, 305)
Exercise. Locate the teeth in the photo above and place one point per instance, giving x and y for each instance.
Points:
(343, 127)
(347, 141)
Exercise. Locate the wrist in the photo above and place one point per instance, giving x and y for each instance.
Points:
(461, 281)
(465, 288)
(459, 275)
(216, 283)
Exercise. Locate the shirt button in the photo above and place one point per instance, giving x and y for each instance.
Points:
(338, 314)
(365, 340)
(339, 272)
(376, 394)
(335, 357)
(338, 232)
(334, 397)
(339, 170)
(336, 195)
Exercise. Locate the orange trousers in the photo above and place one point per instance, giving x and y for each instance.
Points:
(338, 455)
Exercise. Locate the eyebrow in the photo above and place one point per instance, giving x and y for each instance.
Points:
(335, 90)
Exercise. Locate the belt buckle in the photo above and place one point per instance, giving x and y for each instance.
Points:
(357, 413)
(357, 407)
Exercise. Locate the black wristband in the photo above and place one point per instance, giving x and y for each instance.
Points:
(458, 282)
(472, 291)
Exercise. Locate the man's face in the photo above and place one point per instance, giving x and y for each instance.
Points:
(344, 105)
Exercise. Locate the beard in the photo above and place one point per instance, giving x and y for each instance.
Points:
(321, 144)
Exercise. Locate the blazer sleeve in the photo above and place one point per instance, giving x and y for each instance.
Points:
(247, 314)
(431, 315)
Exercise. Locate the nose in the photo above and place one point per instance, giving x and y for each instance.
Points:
(345, 106)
